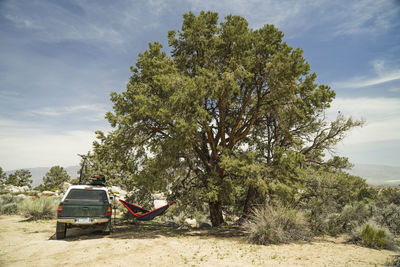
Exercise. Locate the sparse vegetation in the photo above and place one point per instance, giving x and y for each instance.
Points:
(9, 204)
(39, 208)
(374, 236)
(274, 225)
(389, 216)
(336, 202)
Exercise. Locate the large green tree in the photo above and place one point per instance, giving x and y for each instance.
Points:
(231, 107)
(55, 178)
(20, 178)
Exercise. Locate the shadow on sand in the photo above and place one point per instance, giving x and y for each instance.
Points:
(148, 230)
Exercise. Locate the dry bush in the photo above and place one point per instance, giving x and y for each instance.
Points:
(274, 225)
(39, 208)
(9, 204)
(389, 217)
(352, 216)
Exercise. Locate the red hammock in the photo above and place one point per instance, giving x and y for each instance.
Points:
(142, 214)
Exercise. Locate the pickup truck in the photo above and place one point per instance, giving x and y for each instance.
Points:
(84, 206)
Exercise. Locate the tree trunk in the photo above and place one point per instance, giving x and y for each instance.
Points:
(248, 205)
(216, 213)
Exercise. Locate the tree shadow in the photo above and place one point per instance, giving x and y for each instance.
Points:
(78, 234)
(156, 230)
(149, 230)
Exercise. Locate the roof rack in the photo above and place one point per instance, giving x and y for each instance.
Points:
(98, 179)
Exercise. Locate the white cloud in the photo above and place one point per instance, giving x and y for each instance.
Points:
(25, 144)
(382, 116)
(366, 17)
(295, 17)
(382, 75)
(117, 24)
(92, 112)
(51, 22)
(37, 149)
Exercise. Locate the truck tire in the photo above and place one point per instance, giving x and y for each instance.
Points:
(61, 230)
(107, 228)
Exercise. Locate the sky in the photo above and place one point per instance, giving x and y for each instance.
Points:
(59, 61)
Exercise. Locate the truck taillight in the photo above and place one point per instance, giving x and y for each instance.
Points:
(59, 210)
(109, 211)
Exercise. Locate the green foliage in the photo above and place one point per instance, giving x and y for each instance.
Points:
(387, 196)
(374, 236)
(39, 208)
(20, 178)
(336, 201)
(55, 178)
(3, 176)
(228, 97)
(40, 188)
(274, 225)
(9, 204)
(389, 216)
(349, 218)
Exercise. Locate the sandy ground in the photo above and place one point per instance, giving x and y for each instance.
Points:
(25, 243)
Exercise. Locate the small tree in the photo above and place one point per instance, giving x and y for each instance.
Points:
(3, 175)
(55, 178)
(20, 178)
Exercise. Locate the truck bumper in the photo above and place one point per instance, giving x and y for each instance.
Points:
(83, 221)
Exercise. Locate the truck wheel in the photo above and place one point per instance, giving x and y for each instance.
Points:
(107, 228)
(61, 230)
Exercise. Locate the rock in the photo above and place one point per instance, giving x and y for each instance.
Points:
(117, 192)
(25, 188)
(205, 225)
(158, 196)
(21, 195)
(158, 203)
(48, 194)
(190, 222)
(16, 189)
(65, 187)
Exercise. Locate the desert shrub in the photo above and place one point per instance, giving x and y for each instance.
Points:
(373, 236)
(342, 221)
(9, 204)
(333, 201)
(39, 208)
(273, 225)
(389, 217)
(395, 261)
(388, 196)
(350, 217)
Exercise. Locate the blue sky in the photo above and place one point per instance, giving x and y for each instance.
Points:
(59, 61)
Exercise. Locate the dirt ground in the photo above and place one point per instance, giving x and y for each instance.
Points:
(24, 243)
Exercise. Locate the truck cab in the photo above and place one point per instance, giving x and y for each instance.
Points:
(84, 206)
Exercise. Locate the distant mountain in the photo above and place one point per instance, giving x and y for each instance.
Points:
(378, 174)
(39, 172)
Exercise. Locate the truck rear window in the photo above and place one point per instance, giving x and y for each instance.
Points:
(84, 194)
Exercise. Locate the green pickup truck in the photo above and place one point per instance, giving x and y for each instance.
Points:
(84, 206)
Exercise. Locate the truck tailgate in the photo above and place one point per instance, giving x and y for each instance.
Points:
(84, 210)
